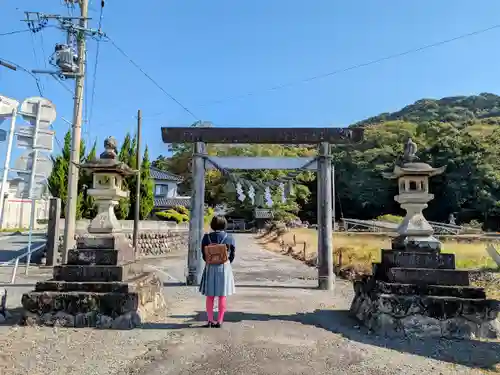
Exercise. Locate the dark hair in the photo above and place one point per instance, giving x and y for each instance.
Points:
(218, 223)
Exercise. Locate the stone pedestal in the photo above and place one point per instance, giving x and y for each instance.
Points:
(422, 294)
(423, 310)
(99, 287)
(415, 290)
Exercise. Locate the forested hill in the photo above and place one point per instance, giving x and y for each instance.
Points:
(453, 109)
(461, 132)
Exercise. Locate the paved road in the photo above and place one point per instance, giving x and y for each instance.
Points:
(12, 246)
(276, 324)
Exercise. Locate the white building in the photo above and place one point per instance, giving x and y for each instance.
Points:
(165, 190)
(16, 211)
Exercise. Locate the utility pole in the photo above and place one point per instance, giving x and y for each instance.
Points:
(138, 187)
(70, 214)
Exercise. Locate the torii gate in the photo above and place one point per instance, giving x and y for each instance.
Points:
(323, 137)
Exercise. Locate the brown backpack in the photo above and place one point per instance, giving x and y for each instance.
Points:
(216, 253)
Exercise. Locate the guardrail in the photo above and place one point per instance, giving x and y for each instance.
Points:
(377, 226)
(16, 260)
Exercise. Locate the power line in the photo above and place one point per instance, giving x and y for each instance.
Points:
(35, 55)
(42, 43)
(357, 66)
(152, 80)
(94, 77)
(63, 85)
(85, 97)
(27, 71)
(15, 32)
(40, 91)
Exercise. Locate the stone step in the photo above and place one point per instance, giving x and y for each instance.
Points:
(407, 259)
(428, 276)
(110, 304)
(430, 290)
(90, 257)
(91, 273)
(78, 286)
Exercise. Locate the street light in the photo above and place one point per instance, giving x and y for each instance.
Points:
(8, 65)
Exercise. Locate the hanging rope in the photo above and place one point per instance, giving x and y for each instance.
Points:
(261, 186)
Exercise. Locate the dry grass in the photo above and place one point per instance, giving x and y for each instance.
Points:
(357, 251)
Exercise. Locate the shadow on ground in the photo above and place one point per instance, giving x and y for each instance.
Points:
(259, 286)
(469, 353)
(14, 318)
(8, 255)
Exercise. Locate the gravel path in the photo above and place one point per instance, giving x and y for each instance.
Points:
(276, 324)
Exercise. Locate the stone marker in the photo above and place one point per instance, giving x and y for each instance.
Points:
(101, 285)
(415, 290)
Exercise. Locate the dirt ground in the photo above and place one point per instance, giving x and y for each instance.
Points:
(277, 323)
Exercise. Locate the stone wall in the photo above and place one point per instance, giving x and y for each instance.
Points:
(128, 225)
(156, 243)
(155, 238)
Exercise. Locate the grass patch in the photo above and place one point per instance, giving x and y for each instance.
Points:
(357, 251)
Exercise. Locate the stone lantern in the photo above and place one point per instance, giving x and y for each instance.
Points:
(107, 187)
(415, 290)
(414, 233)
(101, 285)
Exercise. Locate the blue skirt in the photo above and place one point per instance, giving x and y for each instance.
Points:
(217, 280)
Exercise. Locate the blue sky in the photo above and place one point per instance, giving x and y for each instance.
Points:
(207, 53)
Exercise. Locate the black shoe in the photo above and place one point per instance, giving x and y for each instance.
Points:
(209, 325)
(217, 325)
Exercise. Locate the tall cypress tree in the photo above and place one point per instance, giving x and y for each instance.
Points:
(88, 206)
(122, 210)
(58, 179)
(57, 182)
(147, 185)
(132, 180)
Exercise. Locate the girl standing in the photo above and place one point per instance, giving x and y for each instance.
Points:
(217, 279)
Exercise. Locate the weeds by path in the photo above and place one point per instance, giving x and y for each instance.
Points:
(354, 253)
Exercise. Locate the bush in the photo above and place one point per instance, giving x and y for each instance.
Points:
(172, 215)
(474, 224)
(209, 214)
(390, 218)
(182, 210)
(282, 215)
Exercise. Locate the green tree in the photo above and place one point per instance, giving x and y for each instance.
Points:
(88, 205)
(147, 185)
(58, 179)
(131, 181)
(122, 209)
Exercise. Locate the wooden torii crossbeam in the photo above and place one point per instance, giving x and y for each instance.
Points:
(261, 135)
(323, 137)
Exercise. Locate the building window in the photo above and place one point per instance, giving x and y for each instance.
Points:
(158, 190)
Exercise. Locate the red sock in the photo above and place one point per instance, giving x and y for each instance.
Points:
(210, 308)
(222, 308)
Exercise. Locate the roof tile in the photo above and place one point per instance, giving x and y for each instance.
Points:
(158, 174)
(161, 202)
